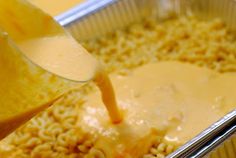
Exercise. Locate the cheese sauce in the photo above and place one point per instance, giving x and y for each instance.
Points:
(181, 99)
(55, 7)
(63, 56)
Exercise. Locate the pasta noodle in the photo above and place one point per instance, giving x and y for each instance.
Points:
(55, 133)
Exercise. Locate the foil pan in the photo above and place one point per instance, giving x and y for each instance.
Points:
(217, 141)
(97, 17)
(224, 150)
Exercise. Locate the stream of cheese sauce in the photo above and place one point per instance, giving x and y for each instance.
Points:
(55, 7)
(61, 55)
(179, 98)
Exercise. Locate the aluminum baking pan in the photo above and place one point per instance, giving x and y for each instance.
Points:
(223, 146)
(96, 17)
(207, 141)
(225, 150)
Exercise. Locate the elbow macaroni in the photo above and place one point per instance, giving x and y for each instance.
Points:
(54, 132)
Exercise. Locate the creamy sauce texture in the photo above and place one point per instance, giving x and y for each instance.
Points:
(55, 7)
(26, 89)
(181, 99)
(103, 82)
(177, 98)
(61, 55)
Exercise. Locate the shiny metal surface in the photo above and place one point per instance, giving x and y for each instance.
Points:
(223, 146)
(209, 139)
(96, 17)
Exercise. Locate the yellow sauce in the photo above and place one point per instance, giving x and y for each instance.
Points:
(55, 7)
(27, 89)
(60, 55)
(63, 56)
(179, 98)
(108, 95)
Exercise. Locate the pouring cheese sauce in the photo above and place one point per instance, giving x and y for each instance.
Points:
(181, 99)
(63, 56)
